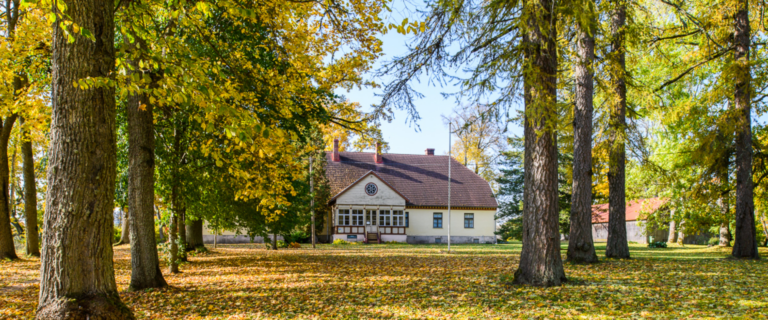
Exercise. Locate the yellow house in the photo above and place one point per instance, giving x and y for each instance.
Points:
(403, 197)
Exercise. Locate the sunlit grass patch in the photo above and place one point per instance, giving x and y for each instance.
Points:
(420, 282)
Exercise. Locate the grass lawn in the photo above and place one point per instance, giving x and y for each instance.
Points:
(420, 282)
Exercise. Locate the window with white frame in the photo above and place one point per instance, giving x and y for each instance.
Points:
(384, 218)
(343, 217)
(370, 217)
(357, 217)
(469, 220)
(398, 218)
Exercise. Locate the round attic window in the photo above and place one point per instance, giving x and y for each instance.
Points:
(371, 189)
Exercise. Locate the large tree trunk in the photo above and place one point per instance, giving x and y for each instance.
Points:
(30, 196)
(195, 234)
(145, 264)
(617, 246)
(580, 245)
(125, 235)
(7, 250)
(77, 275)
(540, 261)
(745, 245)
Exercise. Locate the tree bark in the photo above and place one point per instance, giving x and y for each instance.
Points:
(173, 232)
(274, 241)
(672, 232)
(765, 228)
(30, 195)
(182, 233)
(195, 234)
(540, 261)
(7, 249)
(580, 245)
(77, 275)
(617, 246)
(745, 244)
(145, 263)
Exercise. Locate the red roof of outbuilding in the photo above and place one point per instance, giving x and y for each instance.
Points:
(634, 208)
(421, 179)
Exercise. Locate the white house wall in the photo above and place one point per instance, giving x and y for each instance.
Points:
(421, 229)
(356, 195)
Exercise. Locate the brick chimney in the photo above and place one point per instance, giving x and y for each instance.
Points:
(429, 152)
(377, 157)
(335, 157)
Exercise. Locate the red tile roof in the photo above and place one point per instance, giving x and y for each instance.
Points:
(633, 211)
(421, 179)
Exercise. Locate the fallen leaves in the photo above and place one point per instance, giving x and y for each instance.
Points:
(418, 282)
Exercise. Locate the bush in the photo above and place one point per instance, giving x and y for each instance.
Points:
(340, 242)
(657, 244)
(295, 245)
(354, 243)
(391, 242)
(118, 233)
(298, 237)
(713, 241)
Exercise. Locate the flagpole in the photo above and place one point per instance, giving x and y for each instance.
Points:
(450, 127)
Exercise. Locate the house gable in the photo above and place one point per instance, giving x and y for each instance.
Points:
(355, 194)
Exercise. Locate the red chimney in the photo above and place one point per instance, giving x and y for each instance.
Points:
(429, 152)
(377, 157)
(335, 157)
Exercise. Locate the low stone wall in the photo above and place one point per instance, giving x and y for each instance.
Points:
(454, 239)
(234, 239)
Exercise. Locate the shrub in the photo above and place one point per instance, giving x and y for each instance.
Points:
(391, 242)
(282, 244)
(340, 242)
(657, 244)
(713, 241)
(298, 237)
(118, 233)
(354, 243)
(295, 245)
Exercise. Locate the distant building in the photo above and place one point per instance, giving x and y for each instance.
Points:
(404, 197)
(636, 212)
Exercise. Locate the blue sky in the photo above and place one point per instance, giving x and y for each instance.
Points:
(403, 137)
(433, 133)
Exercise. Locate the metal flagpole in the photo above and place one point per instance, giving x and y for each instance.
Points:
(450, 127)
(312, 200)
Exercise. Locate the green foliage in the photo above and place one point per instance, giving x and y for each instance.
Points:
(713, 241)
(297, 236)
(117, 233)
(510, 192)
(657, 244)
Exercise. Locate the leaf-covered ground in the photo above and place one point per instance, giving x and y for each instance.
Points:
(421, 282)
